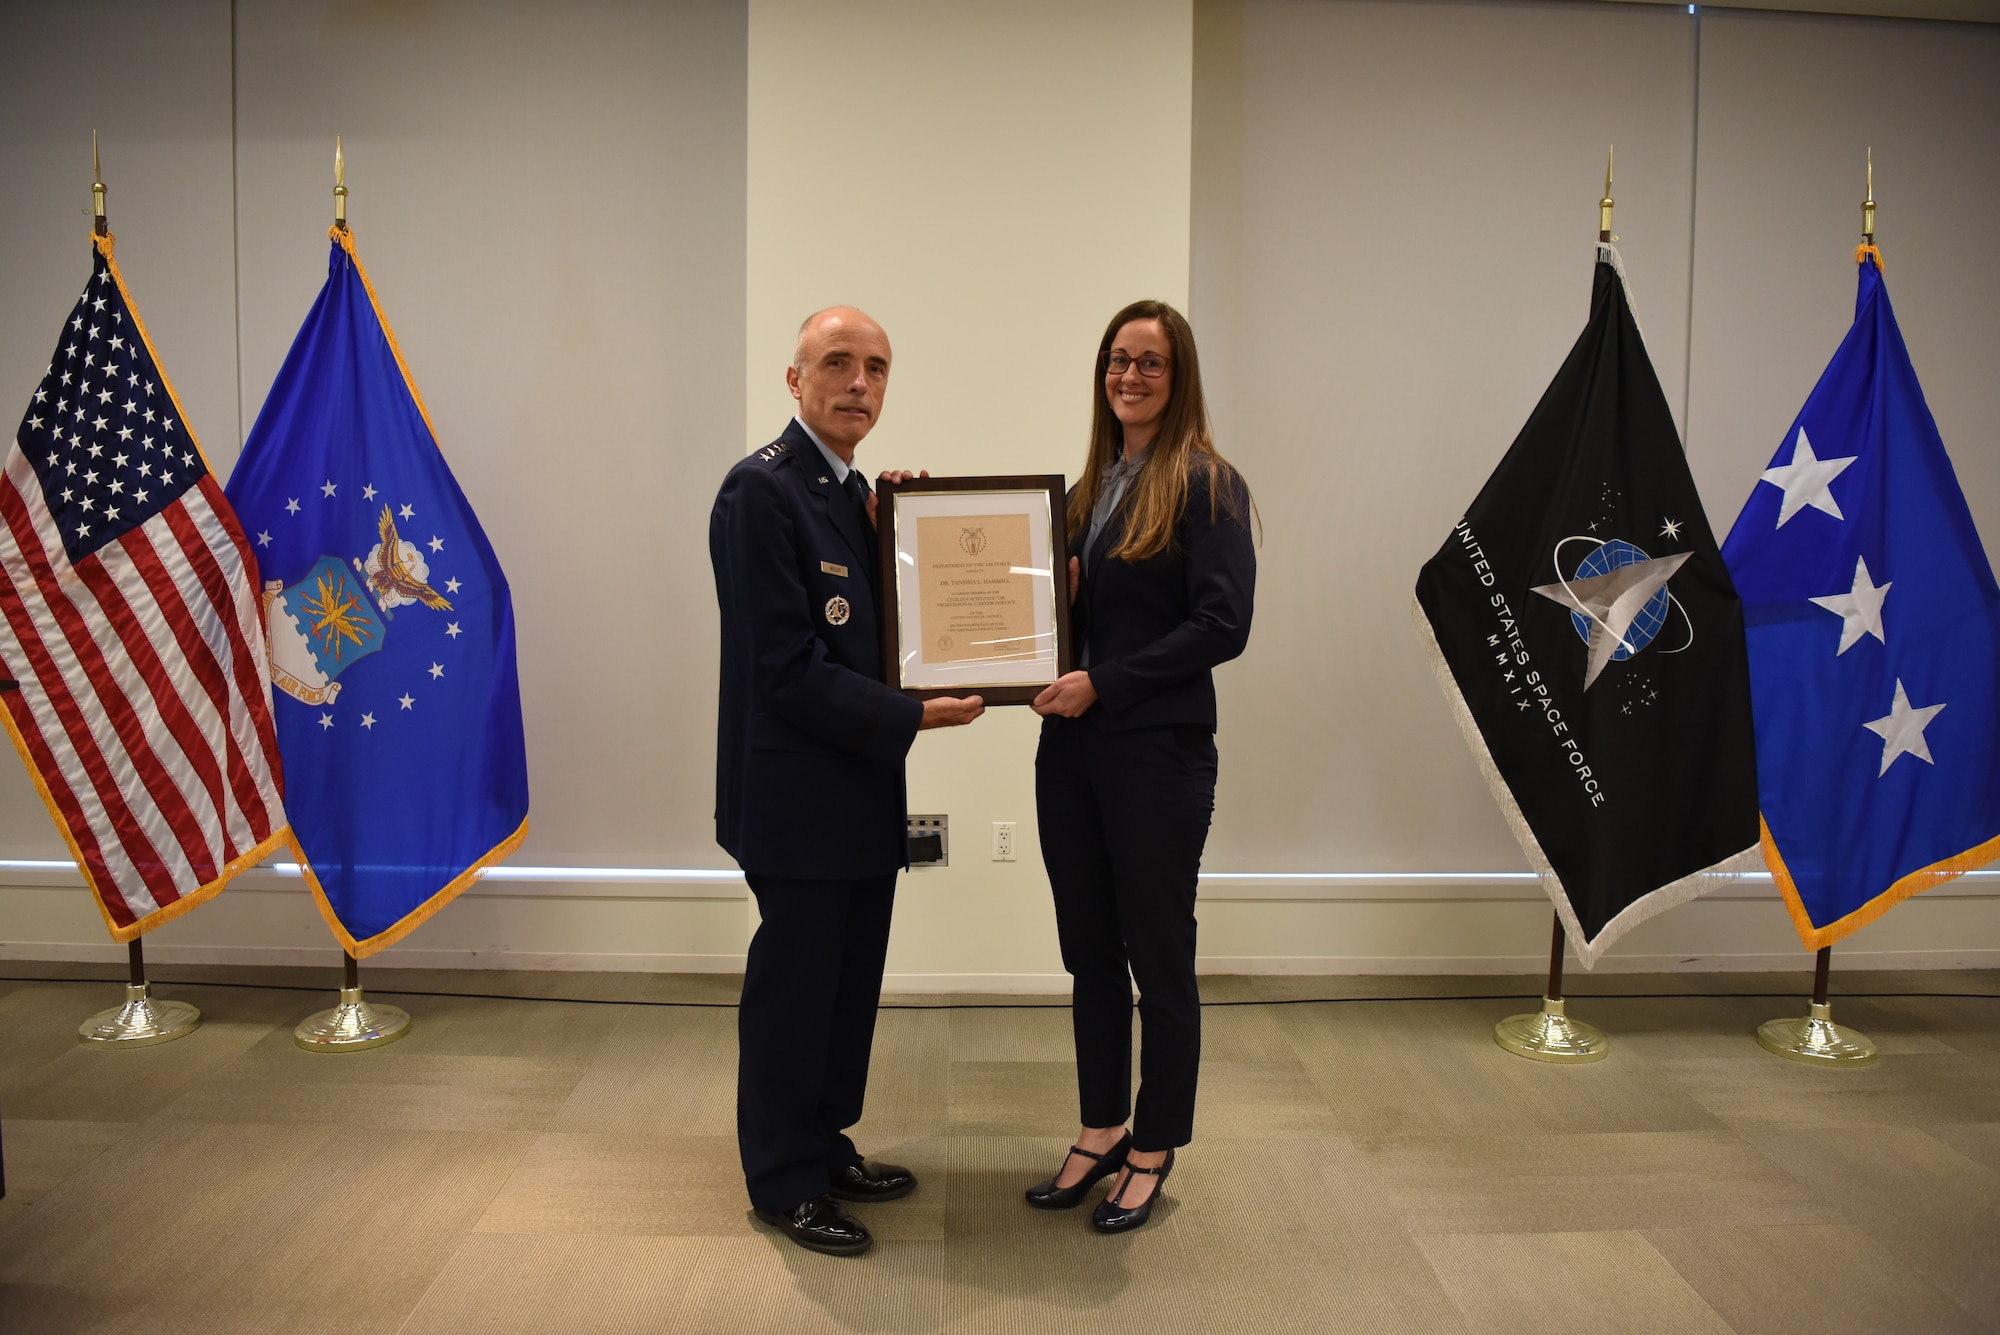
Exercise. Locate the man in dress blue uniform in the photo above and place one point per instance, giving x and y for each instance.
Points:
(809, 784)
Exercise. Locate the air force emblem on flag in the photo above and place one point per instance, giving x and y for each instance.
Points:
(317, 629)
(329, 620)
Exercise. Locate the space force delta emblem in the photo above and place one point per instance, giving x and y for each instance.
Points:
(1590, 644)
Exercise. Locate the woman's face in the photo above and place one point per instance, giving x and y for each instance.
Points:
(1137, 399)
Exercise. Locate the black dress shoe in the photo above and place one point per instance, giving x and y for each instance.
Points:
(1049, 1196)
(1111, 1217)
(872, 1182)
(819, 1225)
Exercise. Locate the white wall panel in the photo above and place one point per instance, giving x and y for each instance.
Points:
(153, 80)
(549, 200)
(1395, 213)
(1790, 106)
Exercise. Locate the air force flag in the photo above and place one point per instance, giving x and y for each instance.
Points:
(1874, 627)
(390, 627)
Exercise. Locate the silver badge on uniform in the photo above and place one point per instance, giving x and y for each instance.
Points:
(836, 611)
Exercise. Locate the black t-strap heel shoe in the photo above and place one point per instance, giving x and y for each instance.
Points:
(1049, 1196)
(1111, 1217)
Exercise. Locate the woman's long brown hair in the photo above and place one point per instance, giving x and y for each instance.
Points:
(1155, 498)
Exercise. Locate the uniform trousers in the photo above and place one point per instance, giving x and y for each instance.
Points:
(1123, 817)
(805, 1028)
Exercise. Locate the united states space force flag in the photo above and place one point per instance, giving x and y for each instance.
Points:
(390, 626)
(1589, 641)
(131, 654)
(1874, 627)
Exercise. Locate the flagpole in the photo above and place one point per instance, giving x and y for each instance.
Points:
(1549, 1035)
(141, 1021)
(356, 1023)
(1816, 1039)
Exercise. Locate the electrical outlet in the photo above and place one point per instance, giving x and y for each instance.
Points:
(1003, 841)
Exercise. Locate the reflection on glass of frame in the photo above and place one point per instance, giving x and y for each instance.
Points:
(975, 586)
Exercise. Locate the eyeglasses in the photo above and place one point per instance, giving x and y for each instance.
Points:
(1150, 366)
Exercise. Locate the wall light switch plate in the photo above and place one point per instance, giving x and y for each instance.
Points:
(1003, 841)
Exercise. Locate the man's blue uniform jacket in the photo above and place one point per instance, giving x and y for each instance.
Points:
(809, 743)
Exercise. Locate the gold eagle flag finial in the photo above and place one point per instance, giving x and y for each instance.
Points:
(394, 575)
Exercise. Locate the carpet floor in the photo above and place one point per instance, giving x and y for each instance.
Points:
(555, 1154)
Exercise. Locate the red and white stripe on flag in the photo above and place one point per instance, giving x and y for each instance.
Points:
(130, 627)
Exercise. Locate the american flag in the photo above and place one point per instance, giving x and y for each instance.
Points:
(129, 623)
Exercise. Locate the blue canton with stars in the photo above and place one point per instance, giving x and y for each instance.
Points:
(102, 432)
(390, 623)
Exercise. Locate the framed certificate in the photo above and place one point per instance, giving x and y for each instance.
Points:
(975, 586)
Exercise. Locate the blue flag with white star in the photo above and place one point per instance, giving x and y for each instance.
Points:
(1874, 627)
(390, 626)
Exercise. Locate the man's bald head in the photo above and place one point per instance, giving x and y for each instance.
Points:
(820, 322)
(839, 373)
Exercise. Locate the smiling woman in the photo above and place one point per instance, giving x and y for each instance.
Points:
(1162, 572)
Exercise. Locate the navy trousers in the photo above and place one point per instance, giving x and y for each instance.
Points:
(1123, 818)
(804, 1030)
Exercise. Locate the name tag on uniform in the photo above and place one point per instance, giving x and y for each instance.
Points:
(829, 568)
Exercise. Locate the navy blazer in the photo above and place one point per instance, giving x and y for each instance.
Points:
(809, 743)
(1157, 627)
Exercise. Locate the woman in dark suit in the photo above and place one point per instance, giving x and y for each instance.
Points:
(1161, 572)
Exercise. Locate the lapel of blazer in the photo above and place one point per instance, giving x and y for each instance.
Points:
(832, 498)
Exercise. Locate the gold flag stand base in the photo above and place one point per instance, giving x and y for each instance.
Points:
(1817, 1040)
(141, 1021)
(356, 1023)
(1551, 1036)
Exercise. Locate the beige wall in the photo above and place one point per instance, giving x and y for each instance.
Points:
(596, 228)
(987, 192)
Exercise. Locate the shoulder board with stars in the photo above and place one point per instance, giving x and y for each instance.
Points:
(773, 452)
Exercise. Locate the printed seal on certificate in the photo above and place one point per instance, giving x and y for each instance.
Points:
(976, 586)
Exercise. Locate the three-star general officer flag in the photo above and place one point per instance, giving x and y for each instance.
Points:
(1587, 637)
(1874, 628)
(129, 630)
(390, 625)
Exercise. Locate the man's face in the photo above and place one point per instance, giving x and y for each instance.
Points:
(842, 374)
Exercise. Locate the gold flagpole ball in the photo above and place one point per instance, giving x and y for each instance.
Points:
(140, 1022)
(1549, 1035)
(354, 1024)
(1816, 1040)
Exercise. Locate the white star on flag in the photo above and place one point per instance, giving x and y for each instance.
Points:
(328, 489)
(1859, 610)
(404, 700)
(368, 721)
(1807, 480)
(1902, 730)
(325, 721)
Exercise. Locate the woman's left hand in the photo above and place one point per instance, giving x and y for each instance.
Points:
(1068, 695)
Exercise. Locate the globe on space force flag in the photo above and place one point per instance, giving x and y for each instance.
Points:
(1874, 627)
(390, 624)
(1588, 639)
(130, 641)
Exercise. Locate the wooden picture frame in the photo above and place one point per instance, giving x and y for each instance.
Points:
(974, 586)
